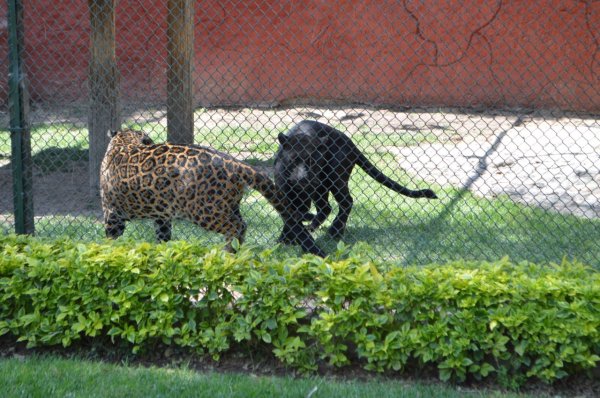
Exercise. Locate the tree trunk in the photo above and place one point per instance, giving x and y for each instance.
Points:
(180, 55)
(103, 80)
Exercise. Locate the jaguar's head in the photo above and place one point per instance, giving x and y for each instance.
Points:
(295, 157)
(129, 137)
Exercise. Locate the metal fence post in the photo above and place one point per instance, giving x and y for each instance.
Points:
(18, 102)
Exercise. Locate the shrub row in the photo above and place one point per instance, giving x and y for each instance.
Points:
(513, 321)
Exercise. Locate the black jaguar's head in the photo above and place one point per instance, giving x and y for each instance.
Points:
(294, 158)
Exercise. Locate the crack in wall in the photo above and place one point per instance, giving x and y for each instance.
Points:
(595, 57)
(418, 31)
(436, 62)
(477, 32)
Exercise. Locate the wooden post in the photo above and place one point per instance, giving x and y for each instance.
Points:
(180, 55)
(18, 104)
(103, 80)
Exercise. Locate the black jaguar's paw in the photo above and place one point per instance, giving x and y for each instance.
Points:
(317, 251)
(336, 232)
(311, 227)
(285, 240)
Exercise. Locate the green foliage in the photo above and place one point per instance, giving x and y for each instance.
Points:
(470, 320)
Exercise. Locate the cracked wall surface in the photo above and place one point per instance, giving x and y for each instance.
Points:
(480, 53)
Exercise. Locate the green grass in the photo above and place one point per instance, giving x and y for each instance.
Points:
(229, 139)
(232, 140)
(403, 230)
(54, 147)
(461, 226)
(52, 377)
(398, 229)
(43, 136)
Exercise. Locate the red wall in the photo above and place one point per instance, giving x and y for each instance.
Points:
(543, 54)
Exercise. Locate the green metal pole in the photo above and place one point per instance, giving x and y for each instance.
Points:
(20, 135)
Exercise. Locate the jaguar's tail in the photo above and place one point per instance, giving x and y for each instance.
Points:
(381, 178)
(263, 184)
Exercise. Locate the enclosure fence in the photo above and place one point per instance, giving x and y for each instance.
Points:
(493, 106)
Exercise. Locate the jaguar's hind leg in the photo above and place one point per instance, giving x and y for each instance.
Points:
(237, 231)
(234, 227)
(344, 199)
(163, 230)
(114, 226)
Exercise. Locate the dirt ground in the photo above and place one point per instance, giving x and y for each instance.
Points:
(539, 160)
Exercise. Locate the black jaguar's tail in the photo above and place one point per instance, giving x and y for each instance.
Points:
(381, 178)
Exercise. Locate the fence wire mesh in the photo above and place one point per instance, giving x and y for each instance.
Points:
(492, 105)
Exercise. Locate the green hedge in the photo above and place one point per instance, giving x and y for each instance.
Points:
(510, 321)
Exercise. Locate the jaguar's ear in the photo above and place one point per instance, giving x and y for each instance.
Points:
(147, 140)
(111, 133)
(284, 140)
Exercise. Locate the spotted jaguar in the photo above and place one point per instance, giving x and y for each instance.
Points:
(140, 179)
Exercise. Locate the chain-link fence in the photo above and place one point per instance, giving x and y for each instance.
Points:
(492, 105)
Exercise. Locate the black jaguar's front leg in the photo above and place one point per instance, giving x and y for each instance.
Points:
(294, 232)
(305, 240)
(162, 229)
(344, 199)
(286, 234)
(321, 199)
(298, 205)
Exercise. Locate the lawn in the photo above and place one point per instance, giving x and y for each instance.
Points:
(53, 377)
(398, 229)
(261, 143)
